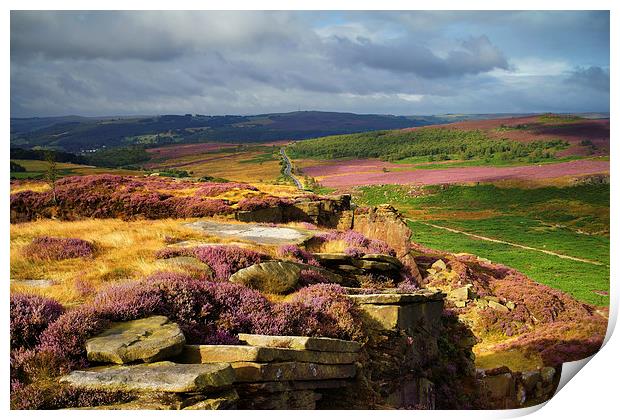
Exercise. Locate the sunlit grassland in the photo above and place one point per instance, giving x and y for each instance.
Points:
(125, 250)
(243, 166)
(38, 168)
(570, 220)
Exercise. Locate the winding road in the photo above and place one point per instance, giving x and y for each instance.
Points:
(288, 169)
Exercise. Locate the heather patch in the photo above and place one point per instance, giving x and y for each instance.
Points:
(224, 260)
(30, 315)
(295, 253)
(112, 196)
(355, 242)
(48, 248)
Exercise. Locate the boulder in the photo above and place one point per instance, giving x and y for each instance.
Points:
(149, 339)
(304, 343)
(290, 371)
(154, 377)
(462, 293)
(186, 262)
(498, 306)
(241, 353)
(510, 305)
(269, 277)
(439, 265)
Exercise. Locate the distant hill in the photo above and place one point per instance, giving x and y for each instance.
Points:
(532, 138)
(86, 134)
(78, 134)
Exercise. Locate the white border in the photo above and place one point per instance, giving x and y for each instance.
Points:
(591, 395)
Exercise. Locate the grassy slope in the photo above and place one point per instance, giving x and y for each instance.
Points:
(38, 168)
(549, 218)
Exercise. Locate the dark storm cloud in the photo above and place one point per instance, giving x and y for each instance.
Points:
(593, 77)
(475, 55)
(115, 63)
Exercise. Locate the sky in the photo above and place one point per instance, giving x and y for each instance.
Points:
(103, 63)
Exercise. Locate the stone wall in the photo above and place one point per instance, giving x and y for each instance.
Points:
(507, 389)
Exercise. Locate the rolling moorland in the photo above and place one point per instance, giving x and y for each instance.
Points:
(537, 182)
(112, 244)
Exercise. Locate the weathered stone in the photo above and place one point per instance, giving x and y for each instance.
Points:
(305, 343)
(187, 262)
(498, 306)
(252, 232)
(149, 339)
(529, 379)
(225, 400)
(547, 374)
(439, 265)
(383, 258)
(397, 298)
(154, 377)
(462, 293)
(148, 402)
(482, 303)
(333, 257)
(283, 386)
(290, 371)
(264, 215)
(371, 265)
(460, 303)
(349, 269)
(500, 386)
(511, 305)
(39, 284)
(269, 277)
(234, 353)
(287, 400)
(492, 298)
(407, 317)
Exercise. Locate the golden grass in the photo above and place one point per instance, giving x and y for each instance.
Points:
(125, 251)
(229, 165)
(36, 186)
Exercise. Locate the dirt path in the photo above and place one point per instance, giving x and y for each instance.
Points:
(498, 241)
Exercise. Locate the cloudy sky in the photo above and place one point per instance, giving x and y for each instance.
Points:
(139, 63)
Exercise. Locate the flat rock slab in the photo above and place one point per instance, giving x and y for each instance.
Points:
(234, 353)
(397, 298)
(253, 232)
(42, 283)
(383, 258)
(372, 265)
(333, 257)
(290, 371)
(154, 377)
(149, 339)
(187, 262)
(269, 277)
(303, 343)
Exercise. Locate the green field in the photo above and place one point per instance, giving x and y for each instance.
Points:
(429, 143)
(572, 221)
